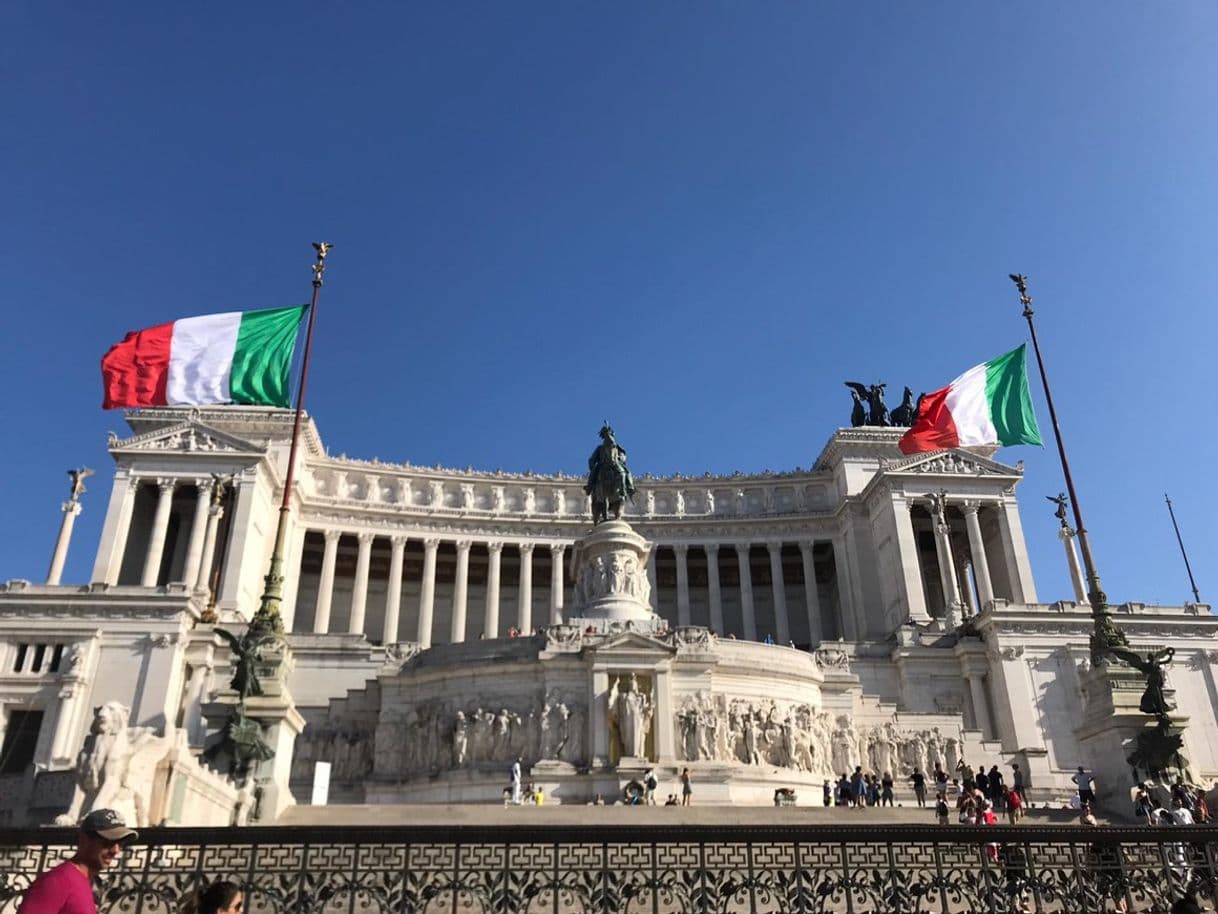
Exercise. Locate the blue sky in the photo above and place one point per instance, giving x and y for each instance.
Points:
(694, 219)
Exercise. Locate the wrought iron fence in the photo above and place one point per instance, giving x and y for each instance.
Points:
(634, 870)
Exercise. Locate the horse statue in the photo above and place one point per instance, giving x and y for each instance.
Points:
(906, 413)
(873, 396)
(609, 480)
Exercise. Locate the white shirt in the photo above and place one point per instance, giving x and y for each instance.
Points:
(1182, 816)
(515, 772)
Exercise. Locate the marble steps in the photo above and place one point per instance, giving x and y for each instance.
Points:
(477, 816)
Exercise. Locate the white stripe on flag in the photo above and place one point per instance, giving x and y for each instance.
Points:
(970, 408)
(201, 359)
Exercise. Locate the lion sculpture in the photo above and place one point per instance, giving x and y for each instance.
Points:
(116, 768)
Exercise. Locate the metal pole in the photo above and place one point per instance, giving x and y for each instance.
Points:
(268, 618)
(1179, 539)
(1105, 634)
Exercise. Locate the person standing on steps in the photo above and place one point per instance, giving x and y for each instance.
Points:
(516, 782)
(687, 792)
(68, 888)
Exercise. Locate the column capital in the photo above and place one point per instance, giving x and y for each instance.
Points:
(332, 536)
(166, 483)
(365, 537)
(71, 507)
(711, 549)
(557, 549)
(494, 548)
(681, 549)
(969, 507)
(216, 511)
(463, 545)
(806, 546)
(431, 543)
(398, 540)
(527, 548)
(742, 548)
(204, 484)
(774, 546)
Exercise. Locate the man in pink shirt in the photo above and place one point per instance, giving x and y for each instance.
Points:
(68, 888)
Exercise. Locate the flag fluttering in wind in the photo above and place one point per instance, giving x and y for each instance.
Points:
(988, 404)
(234, 357)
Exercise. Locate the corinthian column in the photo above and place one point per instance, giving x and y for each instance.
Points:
(976, 546)
(746, 592)
(782, 624)
(524, 609)
(359, 590)
(156, 540)
(1076, 570)
(947, 567)
(325, 586)
(460, 592)
(70, 510)
(490, 623)
(816, 632)
(714, 594)
(556, 585)
(393, 598)
(682, 554)
(202, 581)
(427, 591)
(198, 532)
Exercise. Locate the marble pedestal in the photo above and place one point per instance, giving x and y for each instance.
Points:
(610, 570)
(1112, 725)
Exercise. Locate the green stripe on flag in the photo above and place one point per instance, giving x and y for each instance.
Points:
(263, 358)
(1006, 389)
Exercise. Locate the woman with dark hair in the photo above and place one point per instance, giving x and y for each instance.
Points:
(218, 898)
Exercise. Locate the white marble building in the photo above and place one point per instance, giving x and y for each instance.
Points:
(404, 584)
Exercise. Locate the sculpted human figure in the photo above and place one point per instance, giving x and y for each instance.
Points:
(632, 711)
(548, 733)
(752, 736)
(609, 480)
(460, 739)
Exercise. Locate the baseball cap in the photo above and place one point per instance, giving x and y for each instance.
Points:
(109, 824)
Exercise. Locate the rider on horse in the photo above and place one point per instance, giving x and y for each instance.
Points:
(609, 479)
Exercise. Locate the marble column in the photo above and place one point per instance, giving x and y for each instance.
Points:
(651, 578)
(156, 540)
(966, 581)
(325, 586)
(460, 592)
(682, 554)
(947, 572)
(1076, 569)
(847, 621)
(427, 591)
(198, 531)
(981, 706)
(291, 569)
(524, 600)
(359, 590)
(816, 632)
(715, 594)
(976, 547)
(70, 510)
(202, 581)
(746, 592)
(782, 623)
(393, 596)
(911, 565)
(490, 623)
(557, 550)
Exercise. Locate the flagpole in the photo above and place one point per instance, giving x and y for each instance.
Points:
(1105, 633)
(1179, 539)
(268, 617)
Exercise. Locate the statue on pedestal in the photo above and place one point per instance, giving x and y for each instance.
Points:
(1154, 699)
(609, 480)
(631, 712)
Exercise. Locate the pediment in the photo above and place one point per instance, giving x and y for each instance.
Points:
(185, 437)
(957, 462)
(635, 642)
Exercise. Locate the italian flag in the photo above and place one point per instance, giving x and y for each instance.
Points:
(234, 357)
(989, 404)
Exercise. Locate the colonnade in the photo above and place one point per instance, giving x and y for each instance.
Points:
(488, 609)
(201, 535)
(427, 586)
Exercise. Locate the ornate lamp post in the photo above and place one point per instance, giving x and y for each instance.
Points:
(1104, 635)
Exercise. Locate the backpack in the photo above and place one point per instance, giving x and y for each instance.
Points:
(941, 808)
(651, 782)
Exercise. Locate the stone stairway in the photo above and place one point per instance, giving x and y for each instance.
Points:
(555, 815)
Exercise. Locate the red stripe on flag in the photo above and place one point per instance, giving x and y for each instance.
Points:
(934, 429)
(135, 371)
